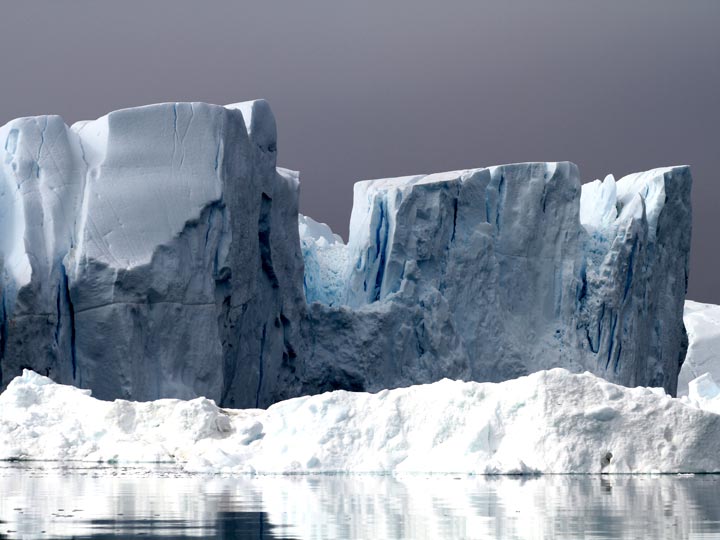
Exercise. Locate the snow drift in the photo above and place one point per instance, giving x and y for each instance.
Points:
(158, 252)
(548, 422)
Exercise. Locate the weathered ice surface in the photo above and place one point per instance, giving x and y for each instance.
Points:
(158, 252)
(151, 253)
(635, 275)
(495, 273)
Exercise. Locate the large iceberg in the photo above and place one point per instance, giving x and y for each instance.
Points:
(548, 422)
(158, 252)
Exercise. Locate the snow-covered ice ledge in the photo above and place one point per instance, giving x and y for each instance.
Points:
(548, 422)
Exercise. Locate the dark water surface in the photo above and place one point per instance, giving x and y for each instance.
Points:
(81, 502)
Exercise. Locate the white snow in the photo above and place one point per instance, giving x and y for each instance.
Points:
(703, 356)
(704, 393)
(548, 422)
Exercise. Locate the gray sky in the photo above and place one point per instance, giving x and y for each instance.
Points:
(375, 89)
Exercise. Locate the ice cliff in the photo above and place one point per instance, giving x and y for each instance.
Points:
(703, 355)
(158, 252)
(493, 273)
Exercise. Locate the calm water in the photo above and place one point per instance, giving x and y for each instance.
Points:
(52, 501)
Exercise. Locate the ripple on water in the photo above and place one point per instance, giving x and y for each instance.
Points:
(77, 501)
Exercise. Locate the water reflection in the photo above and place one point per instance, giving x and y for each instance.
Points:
(49, 501)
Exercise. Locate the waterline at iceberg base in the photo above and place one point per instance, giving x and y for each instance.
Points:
(548, 422)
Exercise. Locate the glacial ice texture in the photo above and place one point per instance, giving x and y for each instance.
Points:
(151, 253)
(158, 252)
(494, 273)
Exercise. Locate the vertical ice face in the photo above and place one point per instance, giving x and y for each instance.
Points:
(525, 269)
(703, 326)
(151, 253)
(510, 227)
(41, 183)
(325, 258)
(152, 229)
(634, 276)
(171, 154)
(703, 356)
(472, 274)
(158, 251)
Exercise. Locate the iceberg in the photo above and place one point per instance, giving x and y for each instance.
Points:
(547, 422)
(157, 252)
(516, 269)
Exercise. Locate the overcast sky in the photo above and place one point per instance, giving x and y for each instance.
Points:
(375, 89)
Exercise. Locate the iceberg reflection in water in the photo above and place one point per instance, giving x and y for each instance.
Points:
(68, 501)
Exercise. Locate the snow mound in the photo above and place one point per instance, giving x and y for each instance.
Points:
(548, 422)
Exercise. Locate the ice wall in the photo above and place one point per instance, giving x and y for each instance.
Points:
(151, 253)
(503, 271)
(635, 275)
(158, 252)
